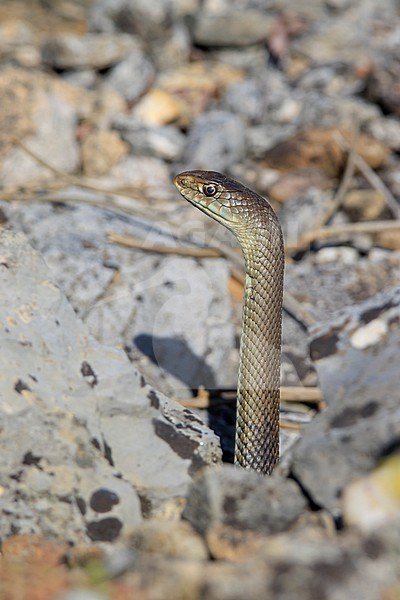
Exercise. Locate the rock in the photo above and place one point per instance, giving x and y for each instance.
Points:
(331, 37)
(169, 312)
(101, 150)
(149, 20)
(230, 543)
(163, 142)
(243, 500)
(303, 213)
(355, 358)
(231, 28)
(95, 51)
(215, 141)
(342, 255)
(142, 176)
(387, 131)
(85, 78)
(185, 327)
(157, 107)
(322, 148)
(382, 85)
(196, 85)
(325, 289)
(159, 24)
(43, 113)
(78, 419)
(373, 502)
(173, 51)
(21, 567)
(132, 76)
(295, 187)
(169, 538)
(82, 594)
(248, 99)
(365, 205)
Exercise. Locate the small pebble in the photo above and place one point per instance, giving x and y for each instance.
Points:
(369, 335)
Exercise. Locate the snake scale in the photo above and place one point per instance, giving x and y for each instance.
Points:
(251, 218)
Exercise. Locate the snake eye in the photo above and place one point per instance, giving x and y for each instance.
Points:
(210, 189)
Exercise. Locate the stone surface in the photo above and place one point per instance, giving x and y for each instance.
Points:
(105, 463)
(101, 150)
(373, 501)
(158, 107)
(132, 76)
(243, 500)
(231, 28)
(42, 112)
(365, 205)
(78, 419)
(355, 358)
(169, 312)
(215, 141)
(169, 538)
(322, 148)
(163, 142)
(97, 51)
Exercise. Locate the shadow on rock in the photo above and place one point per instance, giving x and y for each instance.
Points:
(175, 357)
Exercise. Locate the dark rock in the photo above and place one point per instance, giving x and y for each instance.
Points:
(356, 360)
(243, 500)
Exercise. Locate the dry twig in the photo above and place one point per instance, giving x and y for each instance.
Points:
(349, 229)
(132, 242)
(309, 395)
(373, 179)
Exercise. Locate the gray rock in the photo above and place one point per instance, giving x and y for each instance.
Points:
(232, 28)
(85, 78)
(96, 51)
(244, 500)
(251, 58)
(303, 213)
(215, 141)
(83, 594)
(172, 51)
(84, 436)
(173, 313)
(387, 130)
(147, 19)
(248, 99)
(165, 142)
(326, 288)
(43, 113)
(356, 360)
(159, 24)
(132, 76)
(261, 138)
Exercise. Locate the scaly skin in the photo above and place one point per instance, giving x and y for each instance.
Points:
(252, 220)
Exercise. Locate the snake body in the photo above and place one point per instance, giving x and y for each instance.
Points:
(251, 218)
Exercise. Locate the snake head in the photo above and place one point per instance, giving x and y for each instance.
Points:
(227, 201)
(213, 193)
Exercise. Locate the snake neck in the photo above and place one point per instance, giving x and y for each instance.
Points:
(257, 435)
(262, 307)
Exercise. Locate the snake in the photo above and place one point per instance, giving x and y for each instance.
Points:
(254, 223)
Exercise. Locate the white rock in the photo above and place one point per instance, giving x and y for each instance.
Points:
(369, 335)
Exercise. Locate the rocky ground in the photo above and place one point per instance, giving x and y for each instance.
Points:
(118, 299)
